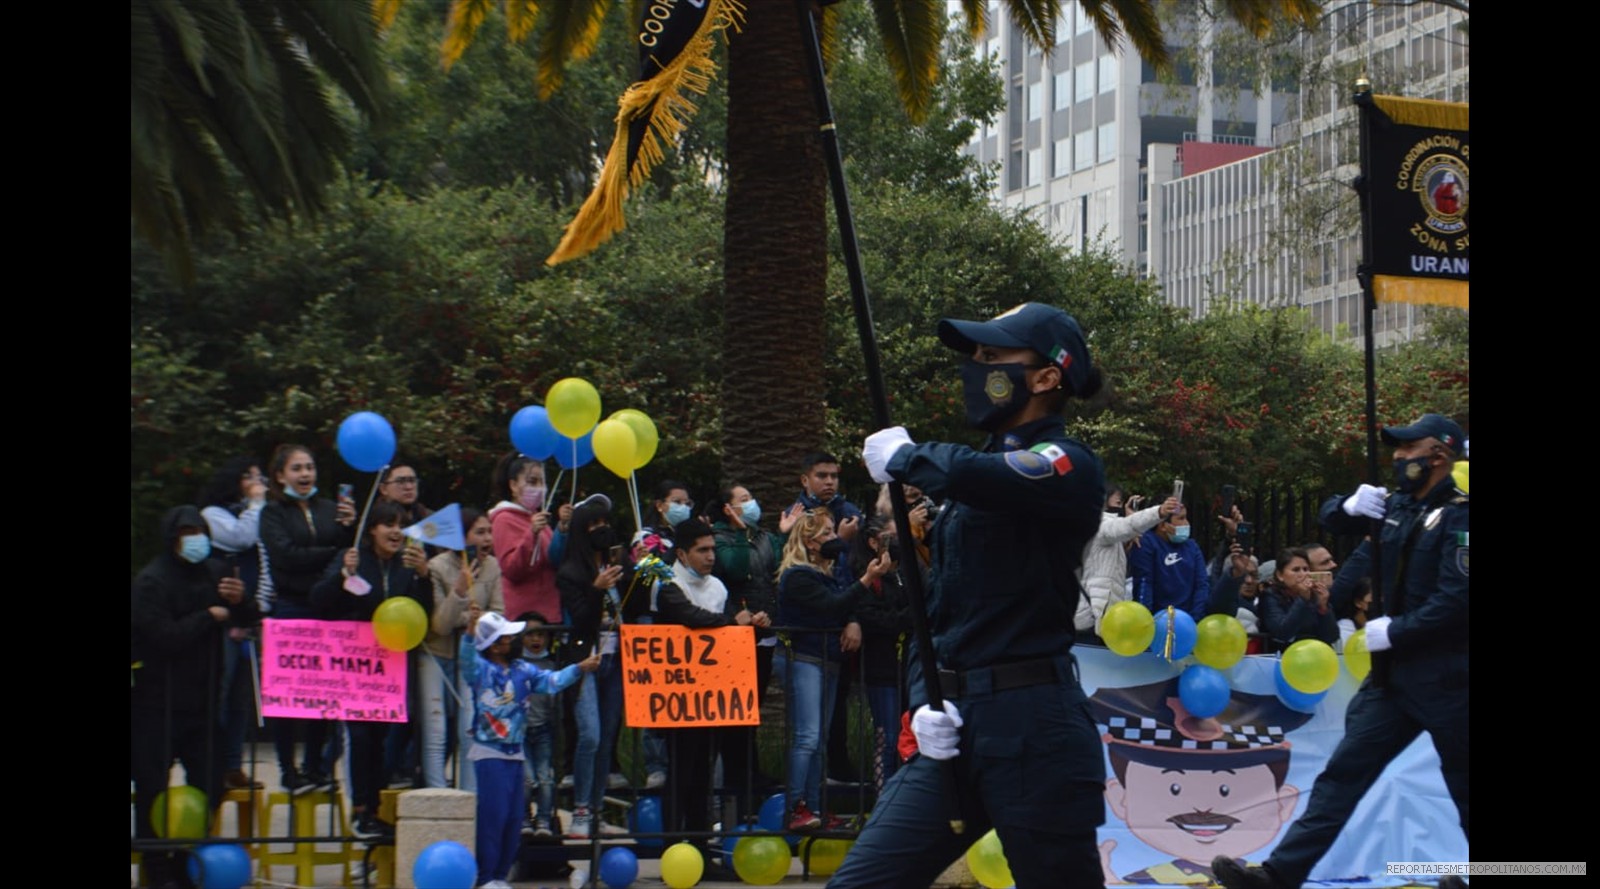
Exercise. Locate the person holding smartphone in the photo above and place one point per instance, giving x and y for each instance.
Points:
(1294, 605)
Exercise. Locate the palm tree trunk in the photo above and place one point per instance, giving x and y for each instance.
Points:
(774, 258)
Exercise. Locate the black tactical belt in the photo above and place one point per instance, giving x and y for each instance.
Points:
(1001, 677)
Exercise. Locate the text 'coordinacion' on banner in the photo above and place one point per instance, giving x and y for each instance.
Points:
(682, 677)
(330, 669)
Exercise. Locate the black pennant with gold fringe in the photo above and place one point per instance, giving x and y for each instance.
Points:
(1417, 176)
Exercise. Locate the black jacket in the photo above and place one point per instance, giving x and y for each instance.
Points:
(300, 543)
(174, 634)
(334, 602)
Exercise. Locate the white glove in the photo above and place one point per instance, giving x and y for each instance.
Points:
(879, 448)
(1367, 501)
(937, 733)
(1378, 634)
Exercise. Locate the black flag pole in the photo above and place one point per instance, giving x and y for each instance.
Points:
(1369, 300)
(875, 384)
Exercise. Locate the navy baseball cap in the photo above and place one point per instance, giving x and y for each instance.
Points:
(1429, 426)
(1044, 329)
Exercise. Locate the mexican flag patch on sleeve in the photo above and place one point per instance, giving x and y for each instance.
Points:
(1057, 457)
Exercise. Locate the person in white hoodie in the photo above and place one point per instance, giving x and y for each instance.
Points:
(1105, 560)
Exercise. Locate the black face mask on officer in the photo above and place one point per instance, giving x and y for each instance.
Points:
(994, 393)
(1411, 474)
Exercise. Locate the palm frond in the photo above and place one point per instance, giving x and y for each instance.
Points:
(913, 34)
(574, 29)
(520, 18)
(1037, 20)
(1258, 16)
(466, 16)
(342, 43)
(384, 13)
(1134, 18)
(976, 14)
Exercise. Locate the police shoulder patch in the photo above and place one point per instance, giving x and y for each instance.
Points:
(1029, 464)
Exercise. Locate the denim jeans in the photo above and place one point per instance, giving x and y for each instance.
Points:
(441, 713)
(238, 706)
(884, 701)
(538, 770)
(598, 714)
(811, 692)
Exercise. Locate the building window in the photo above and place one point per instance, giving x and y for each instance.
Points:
(1014, 170)
(1035, 100)
(1062, 159)
(1035, 166)
(1085, 78)
(1107, 138)
(1081, 19)
(1108, 73)
(1063, 90)
(1083, 150)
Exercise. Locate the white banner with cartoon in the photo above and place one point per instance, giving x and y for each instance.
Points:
(1181, 790)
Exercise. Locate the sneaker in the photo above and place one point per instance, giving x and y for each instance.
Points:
(655, 780)
(296, 783)
(617, 781)
(578, 828)
(528, 829)
(541, 828)
(803, 818)
(238, 780)
(1235, 874)
(368, 827)
(401, 781)
(609, 829)
(318, 780)
(566, 782)
(834, 822)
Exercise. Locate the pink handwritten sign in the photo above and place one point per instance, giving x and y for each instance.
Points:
(330, 669)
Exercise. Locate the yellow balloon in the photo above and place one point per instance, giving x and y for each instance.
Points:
(1310, 666)
(573, 406)
(1357, 658)
(1220, 641)
(614, 446)
(399, 624)
(761, 861)
(826, 855)
(644, 433)
(180, 813)
(1459, 473)
(682, 866)
(987, 860)
(1127, 628)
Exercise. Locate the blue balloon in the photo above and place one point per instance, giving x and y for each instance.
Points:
(771, 815)
(619, 867)
(445, 864)
(366, 441)
(563, 452)
(1292, 697)
(1203, 690)
(645, 817)
(532, 434)
(220, 866)
(1185, 634)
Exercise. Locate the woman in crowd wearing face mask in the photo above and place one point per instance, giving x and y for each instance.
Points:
(590, 586)
(465, 585)
(302, 534)
(1293, 606)
(811, 596)
(747, 563)
(671, 506)
(528, 548)
(387, 565)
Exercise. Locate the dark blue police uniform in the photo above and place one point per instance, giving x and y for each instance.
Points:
(1003, 591)
(1425, 595)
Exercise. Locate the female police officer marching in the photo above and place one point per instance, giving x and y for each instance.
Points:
(1004, 557)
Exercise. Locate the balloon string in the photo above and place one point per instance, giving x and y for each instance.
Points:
(556, 488)
(633, 494)
(362, 525)
(1172, 631)
(574, 471)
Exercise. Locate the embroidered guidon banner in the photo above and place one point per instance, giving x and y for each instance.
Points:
(675, 40)
(1416, 169)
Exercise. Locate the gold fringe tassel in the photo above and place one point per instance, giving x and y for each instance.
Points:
(1439, 292)
(1423, 112)
(670, 110)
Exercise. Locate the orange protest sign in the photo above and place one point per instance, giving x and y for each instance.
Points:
(682, 677)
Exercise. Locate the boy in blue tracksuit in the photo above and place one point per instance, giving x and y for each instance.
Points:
(1168, 568)
(501, 683)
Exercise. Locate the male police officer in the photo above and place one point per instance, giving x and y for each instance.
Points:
(1004, 557)
(1424, 631)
